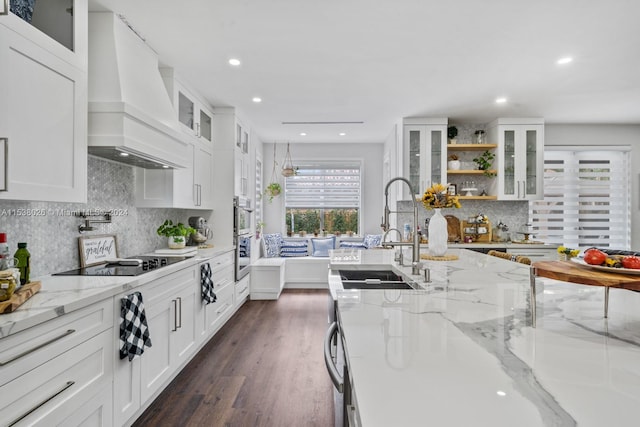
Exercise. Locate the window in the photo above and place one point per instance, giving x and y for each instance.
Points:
(586, 199)
(323, 196)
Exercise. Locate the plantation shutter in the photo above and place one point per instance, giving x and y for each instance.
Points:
(586, 199)
(324, 185)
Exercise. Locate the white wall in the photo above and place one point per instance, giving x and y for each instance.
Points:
(372, 178)
(587, 135)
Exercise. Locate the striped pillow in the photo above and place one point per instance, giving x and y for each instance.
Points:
(294, 248)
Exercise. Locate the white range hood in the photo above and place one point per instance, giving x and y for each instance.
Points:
(131, 119)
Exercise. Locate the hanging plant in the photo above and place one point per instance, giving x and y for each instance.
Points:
(274, 189)
(287, 165)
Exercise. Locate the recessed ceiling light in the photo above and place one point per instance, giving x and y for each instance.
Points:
(256, 99)
(501, 100)
(235, 62)
(303, 134)
(501, 393)
(124, 154)
(165, 166)
(342, 134)
(564, 61)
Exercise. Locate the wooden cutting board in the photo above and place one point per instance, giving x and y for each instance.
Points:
(19, 297)
(453, 228)
(568, 271)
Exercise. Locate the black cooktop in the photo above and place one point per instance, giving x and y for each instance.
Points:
(148, 264)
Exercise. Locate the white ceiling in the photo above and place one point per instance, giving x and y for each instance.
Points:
(376, 61)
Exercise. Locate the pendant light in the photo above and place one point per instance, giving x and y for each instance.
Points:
(287, 164)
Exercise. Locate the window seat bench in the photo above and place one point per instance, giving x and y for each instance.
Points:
(270, 275)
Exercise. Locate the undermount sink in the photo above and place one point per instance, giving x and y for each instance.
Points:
(361, 284)
(372, 279)
(383, 275)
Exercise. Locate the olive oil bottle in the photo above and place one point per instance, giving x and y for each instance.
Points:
(24, 262)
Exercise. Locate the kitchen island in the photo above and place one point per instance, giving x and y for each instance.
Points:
(463, 352)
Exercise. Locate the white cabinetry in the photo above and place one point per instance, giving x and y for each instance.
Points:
(170, 306)
(242, 160)
(189, 188)
(242, 290)
(425, 148)
(215, 314)
(193, 114)
(43, 111)
(59, 372)
(520, 157)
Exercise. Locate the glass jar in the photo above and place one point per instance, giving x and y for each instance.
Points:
(479, 137)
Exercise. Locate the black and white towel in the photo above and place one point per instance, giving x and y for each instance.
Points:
(134, 331)
(206, 283)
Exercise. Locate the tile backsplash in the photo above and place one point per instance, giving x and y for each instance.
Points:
(512, 213)
(51, 230)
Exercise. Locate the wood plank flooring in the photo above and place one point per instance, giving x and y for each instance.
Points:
(265, 367)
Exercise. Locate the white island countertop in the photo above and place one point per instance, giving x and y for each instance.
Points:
(63, 294)
(463, 352)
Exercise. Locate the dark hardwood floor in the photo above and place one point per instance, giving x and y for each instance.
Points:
(265, 367)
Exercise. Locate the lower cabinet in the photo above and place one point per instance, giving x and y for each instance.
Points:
(242, 290)
(170, 304)
(215, 314)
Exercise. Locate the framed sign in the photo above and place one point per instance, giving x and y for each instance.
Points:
(452, 190)
(97, 249)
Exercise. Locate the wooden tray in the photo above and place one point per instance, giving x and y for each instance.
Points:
(486, 237)
(568, 271)
(453, 228)
(19, 297)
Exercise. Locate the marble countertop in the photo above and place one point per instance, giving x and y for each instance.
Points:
(463, 352)
(64, 294)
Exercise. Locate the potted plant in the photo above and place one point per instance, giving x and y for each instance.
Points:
(259, 226)
(452, 132)
(274, 189)
(176, 233)
(484, 162)
(454, 162)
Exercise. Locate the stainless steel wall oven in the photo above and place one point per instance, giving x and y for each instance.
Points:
(242, 235)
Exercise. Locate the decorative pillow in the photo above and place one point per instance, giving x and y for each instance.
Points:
(355, 245)
(372, 240)
(320, 247)
(292, 248)
(272, 244)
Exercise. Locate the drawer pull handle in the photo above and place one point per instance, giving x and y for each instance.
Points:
(180, 316)
(224, 307)
(24, 353)
(35, 408)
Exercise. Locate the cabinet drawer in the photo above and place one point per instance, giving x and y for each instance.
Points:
(223, 277)
(242, 288)
(32, 347)
(215, 312)
(156, 292)
(52, 391)
(221, 261)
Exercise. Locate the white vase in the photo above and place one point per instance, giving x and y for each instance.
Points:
(438, 234)
(177, 242)
(453, 165)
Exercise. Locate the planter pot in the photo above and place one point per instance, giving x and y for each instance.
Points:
(176, 242)
(453, 165)
(453, 141)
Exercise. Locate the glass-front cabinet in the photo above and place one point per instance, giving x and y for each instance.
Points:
(520, 158)
(425, 144)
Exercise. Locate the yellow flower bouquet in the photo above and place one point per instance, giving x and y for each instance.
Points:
(437, 196)
(565, 254)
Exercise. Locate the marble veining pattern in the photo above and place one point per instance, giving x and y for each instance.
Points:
(466, 341)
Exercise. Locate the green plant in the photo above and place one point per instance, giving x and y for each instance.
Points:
(168, 229)
(452, 132)
(484, 162)
(272, 190)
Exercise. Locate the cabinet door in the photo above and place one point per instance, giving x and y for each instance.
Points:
(203, 177)
(183, 340)
(425, 148)
(43, 116)
(521, 160)
(205, 123)
(186, 110)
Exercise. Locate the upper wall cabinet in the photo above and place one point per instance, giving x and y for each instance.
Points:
(425, 145)
(520, 157)
(194, 116)
(43, 106)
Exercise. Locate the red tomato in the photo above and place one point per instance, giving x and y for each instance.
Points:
(631, 262)
(595, 257)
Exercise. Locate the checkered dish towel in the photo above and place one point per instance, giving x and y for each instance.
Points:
(206, 284)
(134, 332)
